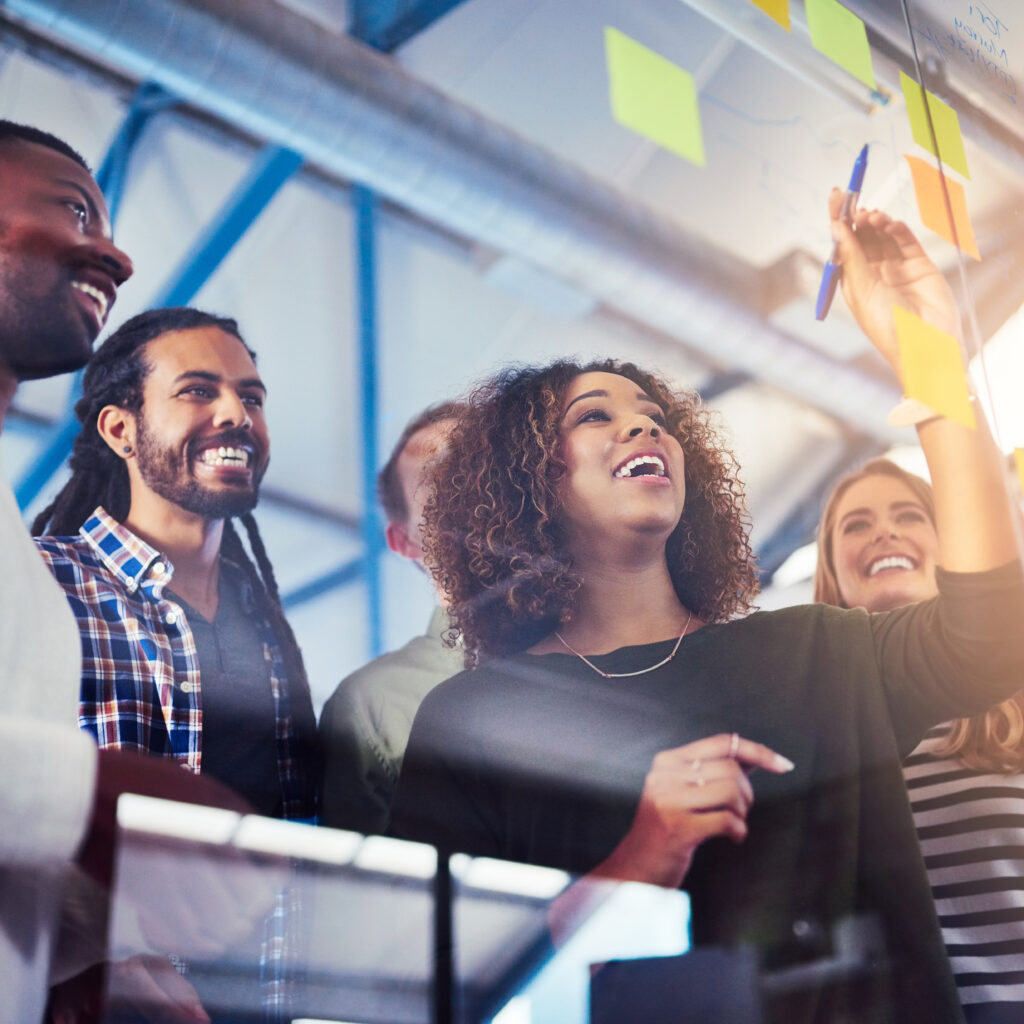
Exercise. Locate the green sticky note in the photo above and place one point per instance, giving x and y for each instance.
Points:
(653, 96)
(947, 125)
(841, 36)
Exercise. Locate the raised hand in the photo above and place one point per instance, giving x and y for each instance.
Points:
(691, 793)
(884, 265)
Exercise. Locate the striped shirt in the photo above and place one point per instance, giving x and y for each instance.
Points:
(141, 688)
(971, 827)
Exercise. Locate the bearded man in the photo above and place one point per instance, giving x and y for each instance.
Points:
(186, 650)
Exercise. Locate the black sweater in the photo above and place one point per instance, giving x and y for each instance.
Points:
(541, 760)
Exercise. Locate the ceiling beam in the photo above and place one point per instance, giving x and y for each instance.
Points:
(361, 116)
(387, 24)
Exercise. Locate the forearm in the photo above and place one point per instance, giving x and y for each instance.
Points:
(972, 508)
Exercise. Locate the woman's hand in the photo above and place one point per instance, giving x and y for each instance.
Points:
(885, 266)
(690, 794)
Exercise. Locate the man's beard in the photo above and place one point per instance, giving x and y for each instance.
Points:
(163, 471)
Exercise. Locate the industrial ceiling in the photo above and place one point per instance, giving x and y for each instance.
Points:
(395, 198)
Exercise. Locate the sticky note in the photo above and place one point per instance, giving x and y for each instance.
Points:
(842, 37)
(653, 96)
(931, 204)
(950, 148)
(1018, 458)
(777, 9)
(933, 369)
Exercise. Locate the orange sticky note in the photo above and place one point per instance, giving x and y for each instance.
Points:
(1018, 458)
(653, 96)
(931, 204)
(777, 9)
(933, 369)
(950, 143)
(842, 37)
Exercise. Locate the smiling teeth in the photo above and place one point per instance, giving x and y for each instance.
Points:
(93, 293)
(890, 562)
(626, 469)
(224, 456)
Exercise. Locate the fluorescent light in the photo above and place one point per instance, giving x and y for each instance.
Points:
(396, 857)
(179, 820)
(292, 839)
(520, 879)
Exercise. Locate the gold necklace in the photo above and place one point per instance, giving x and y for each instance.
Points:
(626, 675)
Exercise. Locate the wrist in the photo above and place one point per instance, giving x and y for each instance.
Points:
(644, 862)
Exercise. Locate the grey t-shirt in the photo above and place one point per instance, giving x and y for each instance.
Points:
(239, 742)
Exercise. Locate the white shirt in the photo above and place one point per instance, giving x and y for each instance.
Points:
(47, 766)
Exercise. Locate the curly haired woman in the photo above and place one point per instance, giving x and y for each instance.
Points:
(588, 530)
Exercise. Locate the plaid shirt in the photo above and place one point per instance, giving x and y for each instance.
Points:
(140, 671)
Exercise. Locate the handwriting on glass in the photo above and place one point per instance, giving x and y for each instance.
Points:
(978, 34)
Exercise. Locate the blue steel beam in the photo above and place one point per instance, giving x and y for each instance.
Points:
(386, 24)
(345, 574)
(364, 203)
(271, 169)
(149, 99)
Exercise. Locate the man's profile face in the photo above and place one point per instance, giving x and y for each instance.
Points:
(59, 270)
(201, 439)
(424, 446)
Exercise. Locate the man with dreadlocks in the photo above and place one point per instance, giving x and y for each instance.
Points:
(186, 653)
(186, 650)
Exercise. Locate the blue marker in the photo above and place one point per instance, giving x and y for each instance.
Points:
(834, 270)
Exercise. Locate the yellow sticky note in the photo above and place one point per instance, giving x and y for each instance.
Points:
(842, 37)
(933, 370)
(931, 204)
(950, 148)
(1018, 458)
(653, 96)
(777, 9)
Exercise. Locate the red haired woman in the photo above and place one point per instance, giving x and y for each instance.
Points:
(877, 549)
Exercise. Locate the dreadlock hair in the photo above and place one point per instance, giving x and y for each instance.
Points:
(114, 376)
(11, 130)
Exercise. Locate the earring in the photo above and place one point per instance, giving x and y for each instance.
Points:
(127, 449)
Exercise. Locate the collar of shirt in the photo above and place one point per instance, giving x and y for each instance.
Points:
(134, 562)
(138, 565)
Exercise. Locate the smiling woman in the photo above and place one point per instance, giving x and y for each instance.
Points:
(518, 420)
(877, 545)
(587, 527)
